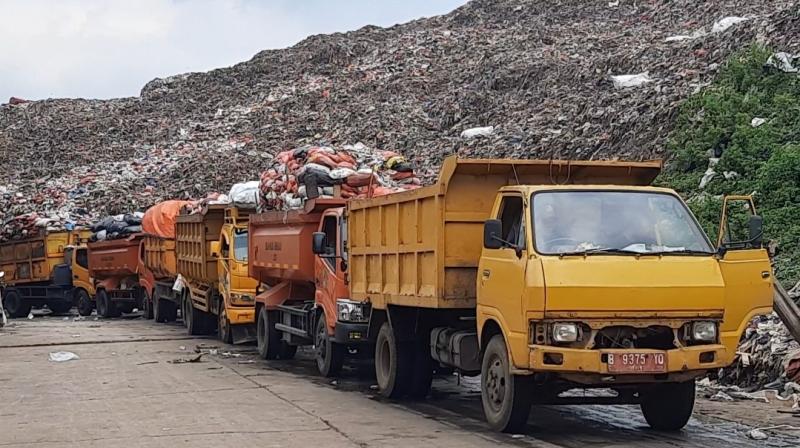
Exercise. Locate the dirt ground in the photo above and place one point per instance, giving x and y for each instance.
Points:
(133, 386)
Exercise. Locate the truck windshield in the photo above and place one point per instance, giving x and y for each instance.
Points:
(615, 222)
(240, 245)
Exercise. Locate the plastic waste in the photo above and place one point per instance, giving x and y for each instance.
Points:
(477, 132)
(726, 22)
(63, 356)
(625, 81)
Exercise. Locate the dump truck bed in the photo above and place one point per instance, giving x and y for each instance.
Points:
(422, 247)
(113, 258)
(159, 256)
(32, 259)
(279, 247)
(193, 237)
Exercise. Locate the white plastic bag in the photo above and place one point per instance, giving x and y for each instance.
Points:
(624, 81)
(245, 192)
(477, 132)
(63, 356)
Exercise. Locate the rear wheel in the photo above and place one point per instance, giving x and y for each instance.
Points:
(224, 325)
(393, 364)
(15, 305)
(198, 322)
(668, 407)
(506, 397)
(270, 344)
(164, 310)
(85, 305)
(147, 306)
(329, 354)
(105, 307)
(60, 307)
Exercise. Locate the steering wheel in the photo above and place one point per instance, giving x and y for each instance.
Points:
(561, 241)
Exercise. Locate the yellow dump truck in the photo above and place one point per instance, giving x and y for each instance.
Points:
(547, 276)
(218, 294)
(50, 268)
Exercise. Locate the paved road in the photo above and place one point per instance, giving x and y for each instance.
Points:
(129, 389)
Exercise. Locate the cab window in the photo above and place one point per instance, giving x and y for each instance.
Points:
(329, 225)
(513, 220)
(82, 258)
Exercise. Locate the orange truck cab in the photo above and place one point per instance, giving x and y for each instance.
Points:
(300, 260)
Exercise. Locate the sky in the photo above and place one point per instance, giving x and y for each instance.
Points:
(111, 48)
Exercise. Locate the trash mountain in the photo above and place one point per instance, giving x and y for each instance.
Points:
(539, 79)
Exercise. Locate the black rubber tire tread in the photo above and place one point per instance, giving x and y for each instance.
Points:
(85, 304)
(515, 408)
(669, 406)
(332, 363)
(15, 305)
(393, 364)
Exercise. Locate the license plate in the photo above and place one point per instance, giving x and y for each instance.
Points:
(637, 362)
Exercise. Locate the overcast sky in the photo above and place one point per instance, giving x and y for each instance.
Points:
(106, 49)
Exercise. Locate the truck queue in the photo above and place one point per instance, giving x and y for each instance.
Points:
(537, 276)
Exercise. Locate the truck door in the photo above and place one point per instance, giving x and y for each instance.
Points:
(745, 266)
(502, 271)
(329, 270)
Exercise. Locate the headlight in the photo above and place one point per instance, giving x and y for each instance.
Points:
(242, 298)
(565, 332)
(350, 311)
(704, 331)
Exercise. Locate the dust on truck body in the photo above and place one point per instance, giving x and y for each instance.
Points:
(113, 267)
(38, 273)
(303, 295)
(218, 295)
(544, 276)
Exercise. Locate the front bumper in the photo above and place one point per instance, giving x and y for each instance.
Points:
(238, 316)
(582, 361)
(351, 333)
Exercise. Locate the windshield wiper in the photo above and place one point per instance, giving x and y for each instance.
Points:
(604, 250)
(682, 252)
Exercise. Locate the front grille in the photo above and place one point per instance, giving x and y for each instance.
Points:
(655, 337)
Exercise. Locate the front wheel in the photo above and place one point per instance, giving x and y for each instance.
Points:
(329, 354)
(224, 325)
(668, 407)
(85, 305)
(506, 397)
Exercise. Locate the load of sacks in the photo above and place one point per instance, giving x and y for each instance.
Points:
(116, 227)
(354, 171)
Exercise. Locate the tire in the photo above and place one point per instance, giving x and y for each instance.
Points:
(270, 344)
(421, 371)
(85, 304)
(224, 325)
(393, 364)
(198, 323)
(328, 354)
(668, 407)
(15, 305)
(164, 311)
(147, 306)
(506, 398)
(105, 307)
(60, 307)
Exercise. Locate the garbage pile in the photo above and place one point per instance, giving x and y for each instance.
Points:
(768, 357)
(116, 227)
(508, 78)
(354, 171)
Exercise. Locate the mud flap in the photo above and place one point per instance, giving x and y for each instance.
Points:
(243, 333)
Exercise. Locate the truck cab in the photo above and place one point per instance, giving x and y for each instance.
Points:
(77, 258)
(609, 286)
(237, 290)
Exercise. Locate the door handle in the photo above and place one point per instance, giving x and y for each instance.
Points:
(486, 273)
(764, 274)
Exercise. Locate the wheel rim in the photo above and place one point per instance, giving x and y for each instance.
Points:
(495, 383)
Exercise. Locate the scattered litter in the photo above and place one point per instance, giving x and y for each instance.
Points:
(66, 318)
(30, 315)
(247, 361)
(182, 347)
(727, 22)
(147, 362)
(374, 387)
(520, 436)
(756, 122)
(757, 434)
(63, 356)
(76, 335)
(477, 132)
(721, 396)
(785, 62)
(187, 360)
(710, 173)
(624, 81)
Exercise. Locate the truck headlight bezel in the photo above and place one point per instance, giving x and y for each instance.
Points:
(703, 331)
(565, 332)
(351, 311)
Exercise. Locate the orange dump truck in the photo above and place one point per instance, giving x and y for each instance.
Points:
(113, 267)
(45, 269)
(302, 297)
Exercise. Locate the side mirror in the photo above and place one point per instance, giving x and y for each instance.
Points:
(318, 243)
(492, 229)
(215, 248)
(756, 227)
